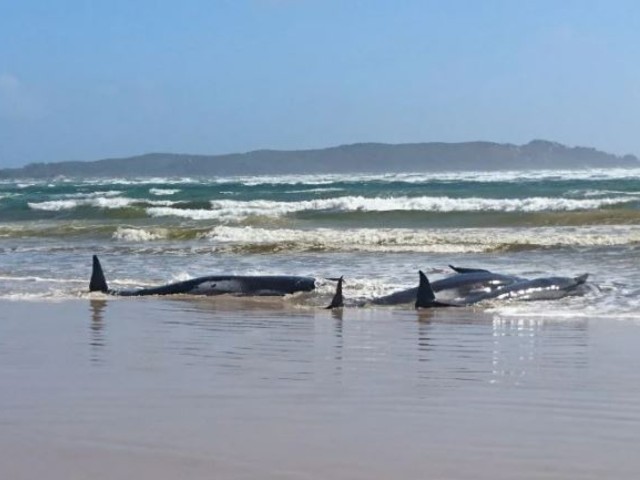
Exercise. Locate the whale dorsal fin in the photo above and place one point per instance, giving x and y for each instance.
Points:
(337, 301)
(97, 283)
(425, 296)
(581, 278)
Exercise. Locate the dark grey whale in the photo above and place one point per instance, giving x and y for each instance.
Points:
(544, 288)
(460, 285)
(241, 285)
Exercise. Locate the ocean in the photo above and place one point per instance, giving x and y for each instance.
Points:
(376, 230)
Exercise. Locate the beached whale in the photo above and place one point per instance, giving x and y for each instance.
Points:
(241, 285)
(462, 284)
(544, 288)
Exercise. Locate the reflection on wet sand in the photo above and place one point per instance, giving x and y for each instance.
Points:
(484, 345)
(338, 328)
(473, 344)
(528, 333)
(518, 344)
(97, 340)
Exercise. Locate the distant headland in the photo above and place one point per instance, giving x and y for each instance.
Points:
(356, 158)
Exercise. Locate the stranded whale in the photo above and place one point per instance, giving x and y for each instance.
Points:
(467, 281)
(245, 285)
(544, 288)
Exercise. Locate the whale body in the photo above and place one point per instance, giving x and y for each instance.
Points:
(241, 285)
(544, 288)
(459, 285)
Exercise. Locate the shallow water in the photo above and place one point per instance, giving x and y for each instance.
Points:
(376, 230)
(233, 388)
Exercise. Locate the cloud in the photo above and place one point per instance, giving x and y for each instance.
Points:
(17, 101)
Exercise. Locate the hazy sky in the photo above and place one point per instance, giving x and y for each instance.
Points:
(83, 80)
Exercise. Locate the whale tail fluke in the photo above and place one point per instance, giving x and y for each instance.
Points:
(426, 298)
(338, 300)
(97, 283)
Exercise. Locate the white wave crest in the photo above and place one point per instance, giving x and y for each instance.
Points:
(316, 190)
(193, 214)
(141, 181)
(54, 205)
(97, 194)
(429, 204)
(161, 203)
(599, 193)
(57, 205)
(411, 177)
(471, 240)
(139, 235)
(227, 210)
(163, 191)
(422, 177)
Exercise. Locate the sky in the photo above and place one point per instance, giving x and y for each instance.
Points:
(85, 80)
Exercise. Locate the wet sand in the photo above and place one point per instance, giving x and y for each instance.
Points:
(159, 389)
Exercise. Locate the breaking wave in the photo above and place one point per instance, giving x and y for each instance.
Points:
(140, 234)
(324, 179)
(57, 205)
(147, 234)
(102, 202)
(234, 210)
(163, 191)
(273, 240)
(96, 194)
(473, 240)
(468, 176)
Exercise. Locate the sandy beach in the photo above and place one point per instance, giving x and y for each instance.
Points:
(233, 389)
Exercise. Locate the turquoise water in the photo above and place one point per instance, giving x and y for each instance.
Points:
(377, 230)
(410, 200)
